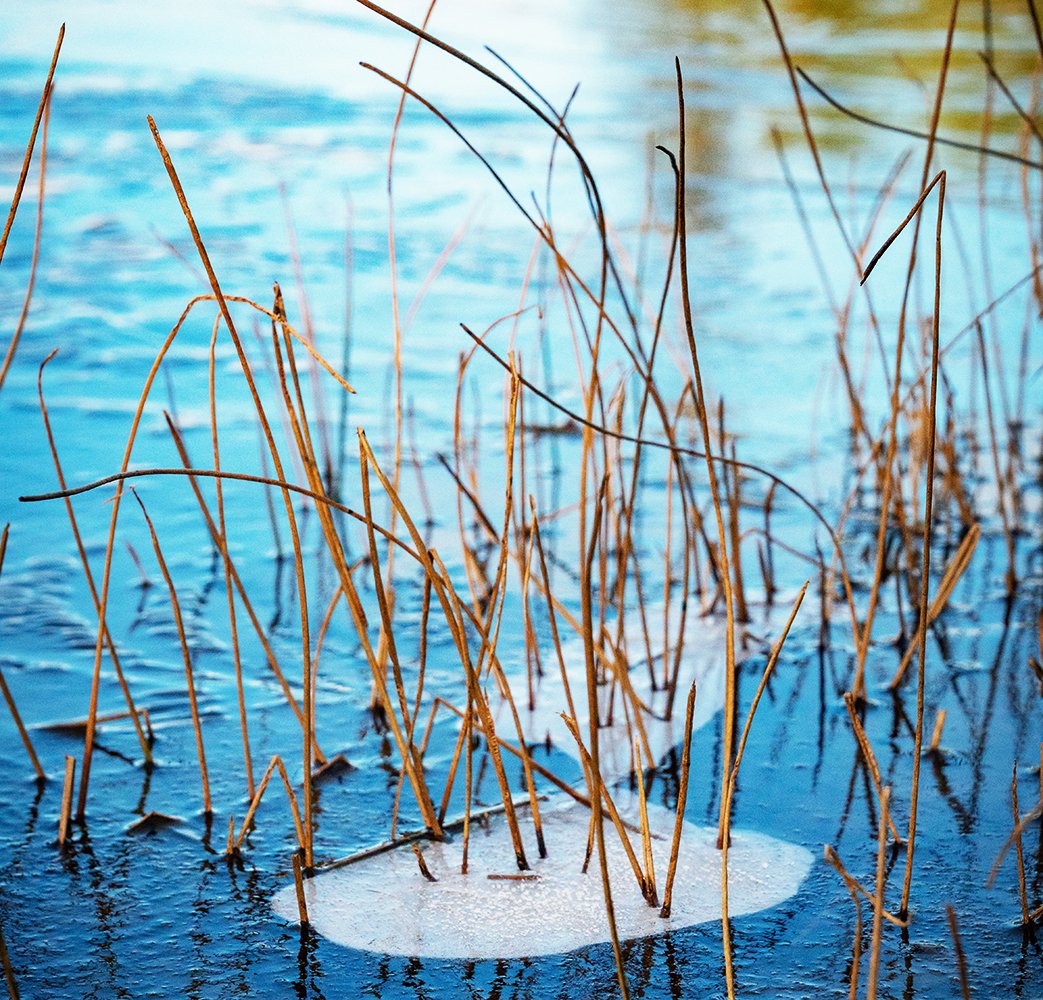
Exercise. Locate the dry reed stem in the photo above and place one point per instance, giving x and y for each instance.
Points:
(1018, 846)
(533, 664)
(242, 477)
(5, 960)
(451, 608)
(878, 904)
(536, 765)
(733, 501)
(454, 618)
(220, 543)
(610, 806)
(384, 604)
(255, 801)
(818, 261)
(649, 392)
(32, 141)
(393, 265)
(302, 438)
(961, 960)
(722, 536)
(982, 150)
(855, 252)
(66, 812)
(888, 484)
(468, 783)
(646, 836)
(809, 135)
(175, 606)
(682, 799)
(146, 749)
(852, 883)
(476, 576)
(226, 561)
(953, 571)
(925, 570)
(1001, 492)
(425, 610)
(914, 215)
(8, 697)
(853, 888)
(230, 843)
(81, 809)
(1026, 119)
(422, 864)
(298, 882)
(596, 783)
(489, 645)
(870, 758)
(423, 749)
(526, 757)
(461, 736)
(1019, 828)
(726, 936)
(936, 735)
(88, 749)
(291, 517)
(31, 284)
(309, 337)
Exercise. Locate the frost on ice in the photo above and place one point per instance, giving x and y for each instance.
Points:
(383, 903)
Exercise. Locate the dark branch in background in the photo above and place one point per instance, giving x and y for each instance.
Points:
(970, 147)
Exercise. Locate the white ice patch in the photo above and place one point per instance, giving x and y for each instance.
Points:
(383, 903)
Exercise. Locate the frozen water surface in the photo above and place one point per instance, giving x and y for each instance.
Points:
(383, 903)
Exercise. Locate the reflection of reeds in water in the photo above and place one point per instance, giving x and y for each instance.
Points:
(911, 470)
(8, 697)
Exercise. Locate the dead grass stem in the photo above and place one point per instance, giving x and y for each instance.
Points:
(20, 184)
(66, 810)
(134, 714)
(31, 284)
(175, 606)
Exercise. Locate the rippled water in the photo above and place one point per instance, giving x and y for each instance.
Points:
(267, 113)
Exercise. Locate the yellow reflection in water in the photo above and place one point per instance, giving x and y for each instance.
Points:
(881, 59)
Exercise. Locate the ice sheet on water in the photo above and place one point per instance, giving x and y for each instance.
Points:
(384, 904)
